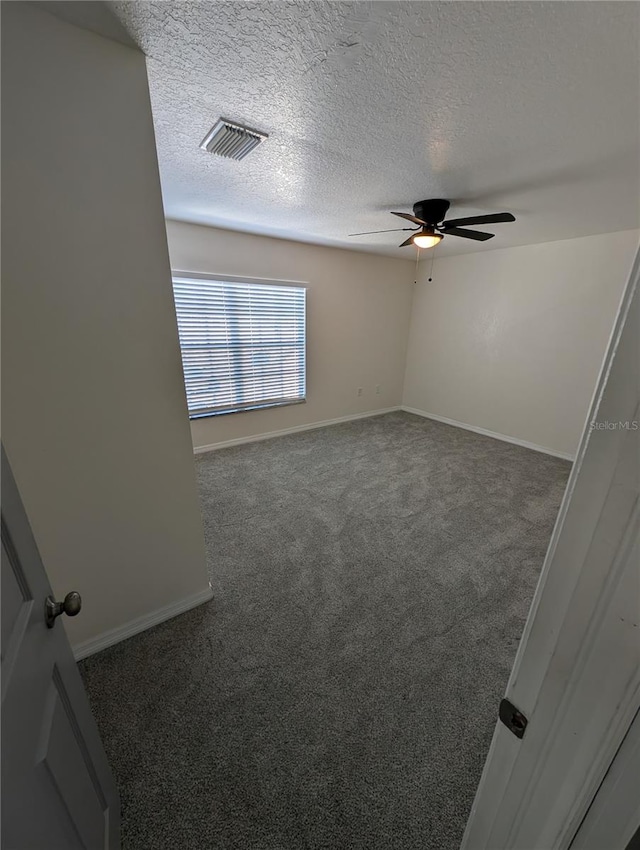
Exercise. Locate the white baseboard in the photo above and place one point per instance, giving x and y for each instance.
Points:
(504, 437)
(134, 627)
(254, 438)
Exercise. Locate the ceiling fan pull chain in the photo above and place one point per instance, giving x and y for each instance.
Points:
(433, 256)
(417, 260)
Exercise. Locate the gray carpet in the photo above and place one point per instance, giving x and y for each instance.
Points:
(371, 583)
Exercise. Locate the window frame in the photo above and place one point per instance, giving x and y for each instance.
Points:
(257, 281)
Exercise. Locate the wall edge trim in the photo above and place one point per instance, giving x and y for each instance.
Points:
(140, 624)
(268, 435)
(486, 433)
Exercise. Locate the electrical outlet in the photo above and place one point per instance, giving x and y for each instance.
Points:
(359, 391)
(377, 389)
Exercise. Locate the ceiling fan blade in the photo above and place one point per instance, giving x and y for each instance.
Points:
(393, 230)
(411, 218)
(478, 235)
(406, 242)
(492, 218)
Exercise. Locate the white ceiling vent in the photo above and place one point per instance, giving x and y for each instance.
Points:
(231, 140)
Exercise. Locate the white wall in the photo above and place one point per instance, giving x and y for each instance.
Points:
(358, 308)
(94, 413)
(512, 340)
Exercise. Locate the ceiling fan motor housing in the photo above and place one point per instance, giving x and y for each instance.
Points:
(431, 211)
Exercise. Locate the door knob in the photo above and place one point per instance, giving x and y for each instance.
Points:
(52, 609)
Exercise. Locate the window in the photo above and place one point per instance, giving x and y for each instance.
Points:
(243, 344)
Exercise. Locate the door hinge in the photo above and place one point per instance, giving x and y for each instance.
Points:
(512, 718)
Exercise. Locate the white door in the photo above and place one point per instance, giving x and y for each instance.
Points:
(576, 677)
(57, 788)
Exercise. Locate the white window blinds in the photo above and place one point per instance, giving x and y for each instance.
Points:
(243, 344)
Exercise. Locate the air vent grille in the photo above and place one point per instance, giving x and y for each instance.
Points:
(231, 140)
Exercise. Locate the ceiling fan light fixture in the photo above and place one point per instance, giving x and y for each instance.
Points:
(429, 216)
(426, 240)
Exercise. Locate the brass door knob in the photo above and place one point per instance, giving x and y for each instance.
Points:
(52, 609)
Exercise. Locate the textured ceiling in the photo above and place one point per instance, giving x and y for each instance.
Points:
(370, 106)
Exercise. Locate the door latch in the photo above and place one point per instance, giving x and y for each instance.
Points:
(512, 718)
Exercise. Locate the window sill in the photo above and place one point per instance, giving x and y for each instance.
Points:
(210, 413)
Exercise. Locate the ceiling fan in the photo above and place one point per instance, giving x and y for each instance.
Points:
(429, 215)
